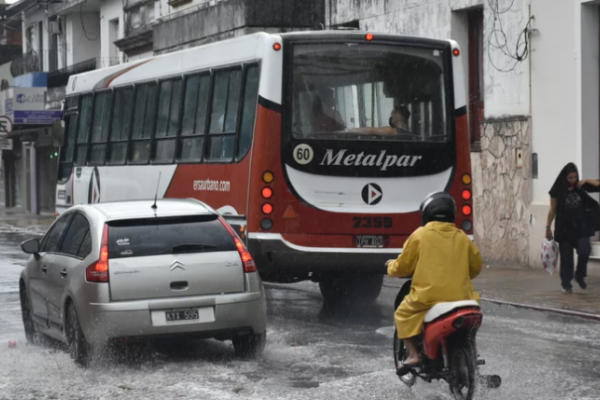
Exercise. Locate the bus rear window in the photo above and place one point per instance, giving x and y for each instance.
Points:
(368, 92)
(159, 236)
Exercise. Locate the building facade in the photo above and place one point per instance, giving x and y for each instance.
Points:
(532, 77)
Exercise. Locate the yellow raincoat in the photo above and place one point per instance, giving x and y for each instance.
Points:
(442, 261)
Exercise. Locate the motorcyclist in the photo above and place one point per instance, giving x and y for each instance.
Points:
(442, 260)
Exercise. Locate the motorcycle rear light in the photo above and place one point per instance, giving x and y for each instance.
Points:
(247, 261)
(458, 322)
(98, 271)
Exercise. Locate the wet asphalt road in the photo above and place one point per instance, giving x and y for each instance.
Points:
(313, 352)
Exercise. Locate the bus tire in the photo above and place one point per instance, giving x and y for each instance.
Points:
(357, 288)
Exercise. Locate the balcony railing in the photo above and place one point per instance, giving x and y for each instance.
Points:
(26, 64)
(60, 77)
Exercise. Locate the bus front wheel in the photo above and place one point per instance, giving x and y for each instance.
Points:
(351, 288)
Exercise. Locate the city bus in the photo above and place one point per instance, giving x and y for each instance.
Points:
(318, 147)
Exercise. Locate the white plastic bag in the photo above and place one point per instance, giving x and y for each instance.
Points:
(549, 255)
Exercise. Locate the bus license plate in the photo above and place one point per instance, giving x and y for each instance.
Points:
(371, 241)
(182, 315)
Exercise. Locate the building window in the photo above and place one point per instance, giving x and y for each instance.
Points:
(193, 126)
(113, 36)
(143, 122)
(223, 122)
(476, 83)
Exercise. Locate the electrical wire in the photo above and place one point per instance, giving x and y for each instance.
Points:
(521, 52)
(83, 25)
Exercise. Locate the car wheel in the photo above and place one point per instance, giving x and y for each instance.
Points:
(30, 330)
(79, 349)
(250, 346)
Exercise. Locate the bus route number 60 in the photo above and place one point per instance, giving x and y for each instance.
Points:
(303, 154)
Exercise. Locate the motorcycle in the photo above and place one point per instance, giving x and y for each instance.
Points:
(447, 348)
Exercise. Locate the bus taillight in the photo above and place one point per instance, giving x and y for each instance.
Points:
(466, 210)
(268, 177)
(267, 192)
(466, 179)
(267, 208)
(466, 194)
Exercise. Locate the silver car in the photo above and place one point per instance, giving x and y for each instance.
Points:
(142, 269)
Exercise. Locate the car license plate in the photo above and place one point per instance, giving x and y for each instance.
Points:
(182, 315)
(369, 241)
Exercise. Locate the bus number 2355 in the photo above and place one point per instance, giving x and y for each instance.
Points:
(373, 222)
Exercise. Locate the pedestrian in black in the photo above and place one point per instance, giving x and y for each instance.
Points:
(577, 220)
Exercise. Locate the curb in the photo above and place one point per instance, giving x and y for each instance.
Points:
(570, 313)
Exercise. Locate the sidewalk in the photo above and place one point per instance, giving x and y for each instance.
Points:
(533, 288)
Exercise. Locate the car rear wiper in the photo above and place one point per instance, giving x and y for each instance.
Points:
(185, 247)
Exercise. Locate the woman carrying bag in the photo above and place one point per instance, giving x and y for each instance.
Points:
(577, 220)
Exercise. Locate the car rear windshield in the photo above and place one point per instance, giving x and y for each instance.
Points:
(158, 236)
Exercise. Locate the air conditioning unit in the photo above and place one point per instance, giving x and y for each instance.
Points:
(55, 27)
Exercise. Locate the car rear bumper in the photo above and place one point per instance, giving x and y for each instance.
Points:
(222, 316)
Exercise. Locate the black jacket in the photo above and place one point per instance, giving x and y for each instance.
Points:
(591, 212)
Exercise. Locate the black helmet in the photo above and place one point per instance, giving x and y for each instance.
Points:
(439, 206)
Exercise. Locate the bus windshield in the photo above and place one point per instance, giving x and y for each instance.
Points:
(355, 91)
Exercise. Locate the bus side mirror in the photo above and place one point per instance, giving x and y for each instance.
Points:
(58, 132)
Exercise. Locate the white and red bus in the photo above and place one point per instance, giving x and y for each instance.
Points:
(318, 146)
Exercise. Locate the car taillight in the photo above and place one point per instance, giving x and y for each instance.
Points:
(247, 261)
(98, 271)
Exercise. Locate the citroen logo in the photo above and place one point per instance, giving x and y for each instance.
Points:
(176, 264)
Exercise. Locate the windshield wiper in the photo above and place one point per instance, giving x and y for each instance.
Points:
(185, 247)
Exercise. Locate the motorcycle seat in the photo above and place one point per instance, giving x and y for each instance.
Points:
(441, 309)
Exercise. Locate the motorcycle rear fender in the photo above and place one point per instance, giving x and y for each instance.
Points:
(444, 327)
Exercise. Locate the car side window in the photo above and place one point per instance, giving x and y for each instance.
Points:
(52, 239)
(86, 245)
(75, 235)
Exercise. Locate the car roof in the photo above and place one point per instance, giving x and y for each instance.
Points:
(120, 210)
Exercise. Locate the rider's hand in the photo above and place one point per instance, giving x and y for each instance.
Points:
(388, 262)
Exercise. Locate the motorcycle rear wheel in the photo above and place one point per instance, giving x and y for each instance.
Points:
(400, 355)
(463, 370)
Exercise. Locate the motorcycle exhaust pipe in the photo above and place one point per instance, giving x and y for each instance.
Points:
(491, 381)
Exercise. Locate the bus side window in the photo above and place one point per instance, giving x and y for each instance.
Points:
(121, 124)
(223, 124)
(102, 108)
(167, 122)
(194, 117)
(248, 110)
(143, 122)
(83, 131)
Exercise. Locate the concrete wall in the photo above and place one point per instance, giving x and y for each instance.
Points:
(109, 11)
(502, 190)
(217, 20)
(84, 45)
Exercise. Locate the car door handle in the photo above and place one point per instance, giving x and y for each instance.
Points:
(44, 269)
(63, 273)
